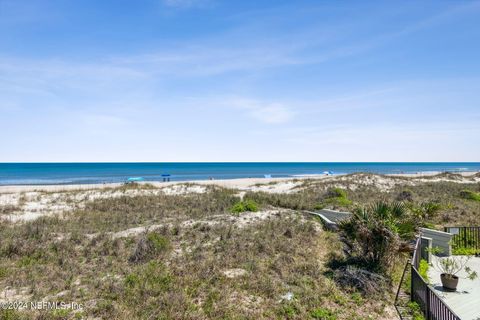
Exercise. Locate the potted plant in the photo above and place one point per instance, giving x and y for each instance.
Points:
(450, 267)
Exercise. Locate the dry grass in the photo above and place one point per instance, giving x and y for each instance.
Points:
(8, 209)
(456, 210)
(200, 261)
(178, 271)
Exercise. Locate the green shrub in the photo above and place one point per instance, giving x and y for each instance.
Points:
(337, 196)
(423, 270)
(470, 195)
(251, 206)
(344, 202)
(465, 251)
(238, 207)
(3, 272)
(323, 314)
(415, 311)
(357, 298)
(243, 206)
(131, 280)
(336, 193)
(426, 211)
(319, 206)
(30, 260)
(158, 242)
(288, 311)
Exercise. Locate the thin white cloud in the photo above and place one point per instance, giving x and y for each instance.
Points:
(230, 64)
(272, 113)
(262, 111)
(209, 57)
(102, 120)
(439, 141)
(184, 3)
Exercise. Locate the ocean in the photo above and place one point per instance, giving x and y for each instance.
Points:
(86, 173)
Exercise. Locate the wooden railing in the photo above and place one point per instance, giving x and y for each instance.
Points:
(465, 237)
(431, 305)
(401, 299)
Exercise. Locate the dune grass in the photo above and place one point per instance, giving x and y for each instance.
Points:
(188, 257)
(456, 209)
(470, 195)
(193, 265)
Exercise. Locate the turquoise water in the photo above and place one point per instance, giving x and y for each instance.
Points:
(74, 173)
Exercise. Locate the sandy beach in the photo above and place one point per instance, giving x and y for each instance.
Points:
(242, 183)
(26, 203)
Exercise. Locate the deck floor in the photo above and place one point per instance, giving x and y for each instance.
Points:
(465, 302)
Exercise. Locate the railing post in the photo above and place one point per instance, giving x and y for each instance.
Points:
(411, 283)
(427, 302)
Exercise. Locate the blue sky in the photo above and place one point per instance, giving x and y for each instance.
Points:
(212, 80)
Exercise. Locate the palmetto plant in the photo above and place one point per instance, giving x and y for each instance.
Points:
(426, 210)
(372, 234)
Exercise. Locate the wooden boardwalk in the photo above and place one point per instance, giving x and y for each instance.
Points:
(330, 218)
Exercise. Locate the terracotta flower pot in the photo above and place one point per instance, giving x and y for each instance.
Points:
(449, 282)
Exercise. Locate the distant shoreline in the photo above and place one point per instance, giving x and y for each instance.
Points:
(39, 174)
(228, 183)
(65, 174)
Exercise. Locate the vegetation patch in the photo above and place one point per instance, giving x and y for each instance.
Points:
(368, 283)
(372, 235)
(470, 195)
(405, 195)
(244, 206)
(423, 270)
(302, 200)
(178, 270)
(8, 209)
(323, 314)
(149, 246)
(145, 287)
(415, 311)
(337, 196)
(461, 251)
